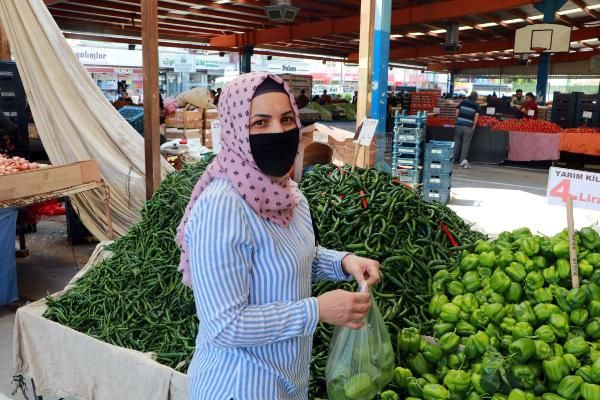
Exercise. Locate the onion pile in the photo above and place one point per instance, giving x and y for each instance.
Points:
(12, 165)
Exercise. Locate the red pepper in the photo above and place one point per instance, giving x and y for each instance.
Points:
(342, 196)
(445, 229)
(364, 199)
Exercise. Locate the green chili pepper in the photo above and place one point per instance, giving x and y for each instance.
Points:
(523, 349)
(409, 340)
(449, 342)
(569, 387)
(457, 381)
(555, 368)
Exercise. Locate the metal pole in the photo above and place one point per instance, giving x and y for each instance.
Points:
(246, 59)
(452, 79)
(381, 60)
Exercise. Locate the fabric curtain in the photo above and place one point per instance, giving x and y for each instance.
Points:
(74, 119)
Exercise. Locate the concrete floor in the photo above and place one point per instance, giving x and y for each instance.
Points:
(50, 266)
(494, 198)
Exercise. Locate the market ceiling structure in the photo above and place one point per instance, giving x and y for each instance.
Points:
(329, 29)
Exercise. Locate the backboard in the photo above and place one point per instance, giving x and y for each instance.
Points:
(547, 38)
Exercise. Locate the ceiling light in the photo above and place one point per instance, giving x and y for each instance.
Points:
(179, 12)
(586, 49)
(593, 7)
(416, 34)
(465, 28)
(571, 11)
(487, 24)
(536, 17)
(392, 36)
(222, 1)
(513, 21)
(439, 31)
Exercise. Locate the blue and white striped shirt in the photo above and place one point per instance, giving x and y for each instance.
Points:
(252, 287)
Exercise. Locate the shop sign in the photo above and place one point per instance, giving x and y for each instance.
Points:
(207, 64)
(583, 187)
(184, 63)
(288, 68)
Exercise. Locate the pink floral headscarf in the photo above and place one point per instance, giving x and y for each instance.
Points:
(274, 200)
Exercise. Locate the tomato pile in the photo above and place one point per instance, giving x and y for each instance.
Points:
(527, 125)
(440, 121)
(486, 120)
(581, 129)
(11, 165)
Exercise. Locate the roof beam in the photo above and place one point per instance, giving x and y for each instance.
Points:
(404, 16)
(581, 4)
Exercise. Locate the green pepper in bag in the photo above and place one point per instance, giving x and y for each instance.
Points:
(360, 387)
(457, 381)
(409, 340)
(555, 368)
(516, 272)
(569, 387)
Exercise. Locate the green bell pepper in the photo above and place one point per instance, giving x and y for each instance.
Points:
(579, 316)
(586, 373)
(449, 312)
(576, 298)
(595, 371)
(457, 381)
(542, 350)
(561, 249)
(495, 312)
(499, 281)
(530, 246)
(409, 340)
(569, 387)
(545, 334)
(471, 281)
(523, 349)
(430, 378)
(522, 329)
(499, 396)
(595, 276)
(523, 312)
(592, 290)
(414, 387)
(469, 303)
(418, 364)
(594, 355)
(555, 368)
(593, 259)
(541, 295)
(443, 275)
(514, 293)
(590, 391)
(432, 353)
(589, 238)
(455, 288)
(543, 311)
(463, 328)
(508, 324)
(504, 258)
(359, 387)
(482, 246)
(477, 344)
(522, 258)
(501, 245)
(534, 280)
(585, 268)
(592, 329)
(442, 327)
(496, 298)
(456, 360)
(476, 382)
(389, 395)
(449, 342)
(539, 262)
(469, 262)
(571, 361)
(559, 325)
(484, 272)
(516, 272)
(487, 259)
(479, 318)
(552, 396)
(473, 396)
(557, 349)
(563, 268)
(517, 394)
(401, 376)
(435, 305)
(434, 391)
(524, 375)
(550, 274)
(594, 308)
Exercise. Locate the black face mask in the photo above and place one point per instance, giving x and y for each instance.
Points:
(274, 153)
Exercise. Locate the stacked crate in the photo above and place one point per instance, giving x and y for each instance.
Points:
(447, 107)
(437, 173)
(423, 101)
(13, 103)
(407, 150)
(564, 107)
(588, 103)
(210, 115)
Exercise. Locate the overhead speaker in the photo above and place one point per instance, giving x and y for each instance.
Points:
(452, 43)
(281, 11)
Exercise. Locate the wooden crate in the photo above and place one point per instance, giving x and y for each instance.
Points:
(46, 180)
(184, 119)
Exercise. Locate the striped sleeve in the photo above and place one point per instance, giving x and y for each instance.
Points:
(327, 265)
(220, 249)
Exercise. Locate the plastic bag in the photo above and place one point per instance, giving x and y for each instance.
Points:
(361, 361)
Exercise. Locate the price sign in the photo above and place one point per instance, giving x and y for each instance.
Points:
(320, 137)
(581, 186)
(367, 131)
(490, 110)
(531, 113)
(436, 110)
(587, 114)
(215, 129)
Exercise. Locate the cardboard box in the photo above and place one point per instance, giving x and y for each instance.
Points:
(184, 119)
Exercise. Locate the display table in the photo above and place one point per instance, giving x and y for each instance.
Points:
(581, 143)
(8, 262)
(528, 146)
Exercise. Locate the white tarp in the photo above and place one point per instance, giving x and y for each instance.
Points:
(74, 119)
(67, 363)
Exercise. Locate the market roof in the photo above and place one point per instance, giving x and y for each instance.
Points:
(330, 28)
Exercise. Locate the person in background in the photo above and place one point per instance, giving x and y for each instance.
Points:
(302, 100)
(467, 114)
(216, 99)
(517, 101)
(325, 98)
(316, 98)
(213, 94)
(530, 108)
(355, 97)
(125, 97)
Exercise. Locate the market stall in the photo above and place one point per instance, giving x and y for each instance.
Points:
(528, 146)
(580, 143)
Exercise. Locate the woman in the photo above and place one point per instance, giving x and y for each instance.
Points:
(249, 249)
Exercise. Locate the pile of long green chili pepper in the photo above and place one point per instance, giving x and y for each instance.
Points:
(135, 298)
(370, 214)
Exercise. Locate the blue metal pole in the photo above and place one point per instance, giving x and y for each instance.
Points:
(452, 79)
(381, 60)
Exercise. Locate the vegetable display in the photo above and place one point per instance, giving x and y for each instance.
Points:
(525, 333)
(11, 165)
(527, 125)
(324, 114)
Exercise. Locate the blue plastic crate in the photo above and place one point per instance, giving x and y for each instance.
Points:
(437, 180)
(135, 116)
(439, 195)
(414, 162)
(409, 135)
(437, 167)
(439, 154)
(407, 148)
(408, 175)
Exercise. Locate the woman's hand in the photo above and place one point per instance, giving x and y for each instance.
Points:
(343, 308)
(362, 269)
